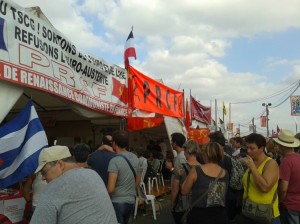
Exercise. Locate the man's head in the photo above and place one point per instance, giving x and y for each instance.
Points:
(51, 161)
(238, 141)
(177, 140)
(120, 139)
(107, 139)
(256, 144)
(81, 152)
(218, 137)
(286, 141)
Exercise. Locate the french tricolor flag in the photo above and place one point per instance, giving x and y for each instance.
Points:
(129, 49)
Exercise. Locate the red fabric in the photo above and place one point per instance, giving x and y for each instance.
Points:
(4, 220)
(139, 123)
(200, 135)
(263, 121)
(289, 171)
(152, 96)
(200, 112)
(120, 91)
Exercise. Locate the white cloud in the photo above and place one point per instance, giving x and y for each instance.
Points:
(182, 41)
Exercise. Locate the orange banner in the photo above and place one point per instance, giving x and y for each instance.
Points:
(150, 95)
(200, 135)
(139, 123)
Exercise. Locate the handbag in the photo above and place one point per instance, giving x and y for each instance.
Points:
(184, 217)
(258, 212)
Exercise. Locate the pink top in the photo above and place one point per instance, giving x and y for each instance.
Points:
(290, 172)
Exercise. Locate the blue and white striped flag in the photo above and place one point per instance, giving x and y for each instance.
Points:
(21, 141)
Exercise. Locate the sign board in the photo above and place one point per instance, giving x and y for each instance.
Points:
(295, 105)
(35, 54)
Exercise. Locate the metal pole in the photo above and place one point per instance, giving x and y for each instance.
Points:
(216, 115)
(267, 110)
(230, 130)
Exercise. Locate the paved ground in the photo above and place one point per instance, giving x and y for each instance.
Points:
(144, 216)
(164, 216)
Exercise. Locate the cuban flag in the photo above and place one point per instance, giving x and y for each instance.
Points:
(21, 141)
(129, 49)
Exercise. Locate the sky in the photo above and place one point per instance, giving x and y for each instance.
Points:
(236, 51)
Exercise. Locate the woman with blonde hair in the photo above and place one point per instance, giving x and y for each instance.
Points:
(201, 182)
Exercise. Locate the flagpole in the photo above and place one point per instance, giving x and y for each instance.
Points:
(231, 127)
(223, 112)
(216, 115)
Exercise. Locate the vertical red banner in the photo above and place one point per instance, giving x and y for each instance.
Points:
(263, 121)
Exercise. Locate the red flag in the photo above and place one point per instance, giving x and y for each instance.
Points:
(274, 134)
(129, 49)
(200, 135)
(187, 116)
(263, 121)
(120, 91)
(200, 112)
(139, 123)
(278, 129)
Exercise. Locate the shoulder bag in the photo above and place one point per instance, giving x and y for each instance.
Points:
(184, 217)
(258, 212)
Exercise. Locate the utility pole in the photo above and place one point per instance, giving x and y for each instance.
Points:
(267, 115)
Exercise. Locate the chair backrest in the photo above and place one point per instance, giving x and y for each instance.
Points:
(144, 167)
(161, 162)
(141, 192)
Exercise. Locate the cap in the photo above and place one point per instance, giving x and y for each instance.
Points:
(51, 154)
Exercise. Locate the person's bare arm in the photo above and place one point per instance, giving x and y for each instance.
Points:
(174, 191)
(269, 177)
(282, 189)
(111, 184)
(27, 188)
(189, 182)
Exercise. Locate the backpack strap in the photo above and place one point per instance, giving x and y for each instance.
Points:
(131, 167)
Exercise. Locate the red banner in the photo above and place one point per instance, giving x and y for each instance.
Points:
(150, 95)
(120, 90)
(139, 123)
(200, 135)
(200, 112)
(263, 121)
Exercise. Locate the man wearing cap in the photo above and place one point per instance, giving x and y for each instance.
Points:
(73, 194)
(289, 183)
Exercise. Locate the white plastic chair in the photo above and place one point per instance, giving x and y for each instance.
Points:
(151, 182)
(141, 195)
(159, 173)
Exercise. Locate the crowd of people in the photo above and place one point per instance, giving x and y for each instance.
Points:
(245, 180)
